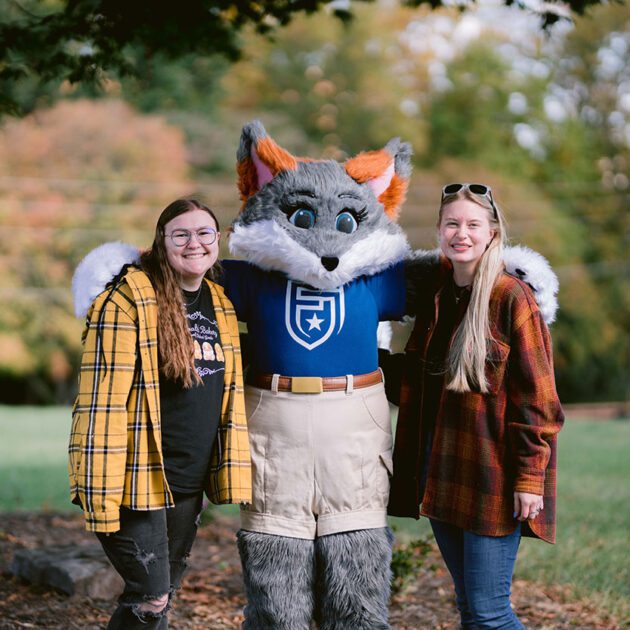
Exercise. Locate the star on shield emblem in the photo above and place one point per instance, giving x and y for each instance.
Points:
(311, 316)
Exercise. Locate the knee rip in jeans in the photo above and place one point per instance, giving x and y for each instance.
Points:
(153, 607)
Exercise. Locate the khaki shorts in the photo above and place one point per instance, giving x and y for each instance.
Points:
(321, 463)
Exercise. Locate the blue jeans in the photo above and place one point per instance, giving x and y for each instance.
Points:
(481, 568)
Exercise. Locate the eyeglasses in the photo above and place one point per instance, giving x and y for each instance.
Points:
(481, 190)
(205, 236)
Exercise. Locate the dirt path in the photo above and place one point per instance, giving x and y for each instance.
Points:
(212, 596)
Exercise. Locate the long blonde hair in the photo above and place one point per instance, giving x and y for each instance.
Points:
(175, 343)
(473, 339)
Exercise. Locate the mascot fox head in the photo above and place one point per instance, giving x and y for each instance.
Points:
(320, 222)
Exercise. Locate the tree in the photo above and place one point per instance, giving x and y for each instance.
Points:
(472, 119)
(85, 41)
(592, 76)
(327, 89)
(565, 130)
(74, 176)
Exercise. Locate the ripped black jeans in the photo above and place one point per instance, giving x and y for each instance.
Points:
(149, 551)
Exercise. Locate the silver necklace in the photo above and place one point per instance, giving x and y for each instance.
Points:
(194, 301)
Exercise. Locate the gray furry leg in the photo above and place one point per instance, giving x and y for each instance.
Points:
(279, 577)
(354, 579)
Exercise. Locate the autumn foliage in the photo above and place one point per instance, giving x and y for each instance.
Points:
(72, 177)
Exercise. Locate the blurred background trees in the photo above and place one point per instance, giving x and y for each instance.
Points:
(85, 40)
(482, 96)
(73, 176)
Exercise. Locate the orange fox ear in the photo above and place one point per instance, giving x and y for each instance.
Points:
(386, 172)
(260, 159)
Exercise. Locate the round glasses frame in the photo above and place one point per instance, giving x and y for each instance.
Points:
(205, 236)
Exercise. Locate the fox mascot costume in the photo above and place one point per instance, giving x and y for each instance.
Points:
(324, 262)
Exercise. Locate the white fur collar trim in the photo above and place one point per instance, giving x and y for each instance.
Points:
(266, 245)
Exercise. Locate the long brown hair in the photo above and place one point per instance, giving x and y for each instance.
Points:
(473, 339)
(175, 343)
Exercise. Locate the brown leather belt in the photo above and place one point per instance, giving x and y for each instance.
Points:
(315, 384)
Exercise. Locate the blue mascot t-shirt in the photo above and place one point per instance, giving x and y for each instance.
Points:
(296, 330)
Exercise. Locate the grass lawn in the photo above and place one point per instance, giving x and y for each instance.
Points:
(593, 549)
(33, 456)
(33, 459)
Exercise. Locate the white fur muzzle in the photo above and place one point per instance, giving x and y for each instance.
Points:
(268, 246)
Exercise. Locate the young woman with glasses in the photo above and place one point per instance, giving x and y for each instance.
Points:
(160, 414)
(475, 448)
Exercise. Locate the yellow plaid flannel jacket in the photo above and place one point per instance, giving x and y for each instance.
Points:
(115, 451)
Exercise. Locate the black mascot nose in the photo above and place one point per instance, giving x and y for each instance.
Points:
(330, 262)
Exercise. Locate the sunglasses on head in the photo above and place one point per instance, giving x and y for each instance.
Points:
(481, 190)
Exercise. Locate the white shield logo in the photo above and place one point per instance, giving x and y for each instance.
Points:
(311, 316)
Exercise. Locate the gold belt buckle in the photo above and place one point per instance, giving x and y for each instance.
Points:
(306, 385)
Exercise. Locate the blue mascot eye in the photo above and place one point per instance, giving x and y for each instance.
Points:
(303, 218)
(346, 222)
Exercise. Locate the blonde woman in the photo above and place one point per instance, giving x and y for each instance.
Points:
(475, 448)
(156, 423)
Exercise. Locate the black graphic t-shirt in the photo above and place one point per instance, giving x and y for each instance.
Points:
(190, 417)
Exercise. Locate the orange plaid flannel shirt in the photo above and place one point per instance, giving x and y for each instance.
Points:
(485, 446)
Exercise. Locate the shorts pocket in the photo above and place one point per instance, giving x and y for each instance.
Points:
(388, 462)
(253, 402)
(384, 474)
(258, 450)
(378, 410)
